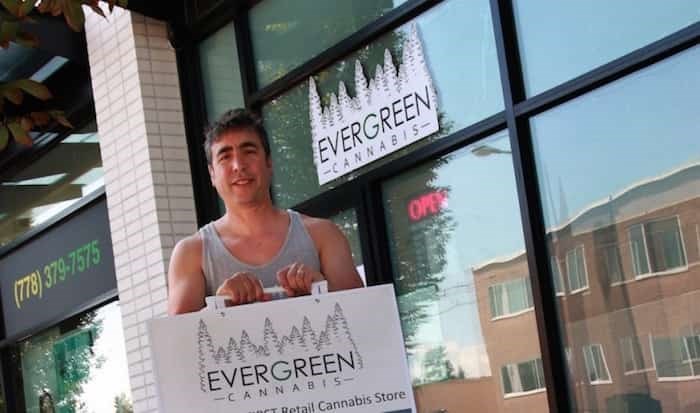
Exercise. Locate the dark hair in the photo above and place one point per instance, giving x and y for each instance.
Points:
(235, 119)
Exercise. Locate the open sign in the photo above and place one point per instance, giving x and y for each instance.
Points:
(427, 205)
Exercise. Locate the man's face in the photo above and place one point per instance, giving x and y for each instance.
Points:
(240, 170)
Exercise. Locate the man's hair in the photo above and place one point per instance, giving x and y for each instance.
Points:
(232, 120)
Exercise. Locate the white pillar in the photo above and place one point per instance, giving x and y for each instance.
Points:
(147, 175)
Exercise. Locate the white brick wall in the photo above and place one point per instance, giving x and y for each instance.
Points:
(147, 176)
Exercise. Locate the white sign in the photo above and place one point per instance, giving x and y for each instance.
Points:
(393, 110)
(337, 352)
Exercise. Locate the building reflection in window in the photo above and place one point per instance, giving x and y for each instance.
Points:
(624, 212)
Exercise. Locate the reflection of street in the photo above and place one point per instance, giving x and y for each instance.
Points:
(627, 275)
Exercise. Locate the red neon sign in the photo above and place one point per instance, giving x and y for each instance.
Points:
(427, 205)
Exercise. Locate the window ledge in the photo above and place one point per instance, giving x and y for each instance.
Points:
(633, 372)
(684, 378)
(524, 393)
(511, 315)
(599, 382)
(618, 283)
(580, 290)
(661, 273)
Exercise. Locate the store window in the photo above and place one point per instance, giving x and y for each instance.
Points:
(603, 183)
(459, 265)
(221, 73)
(596, 366)
(79, 366)
(592, 33)
(69, 172)
(287, 33)
(464, 74)
(346, 221)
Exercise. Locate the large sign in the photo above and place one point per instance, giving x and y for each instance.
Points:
(391, 111)
(58, 271)
(337, 352)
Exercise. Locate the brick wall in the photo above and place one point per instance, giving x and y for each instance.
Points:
(147, 175)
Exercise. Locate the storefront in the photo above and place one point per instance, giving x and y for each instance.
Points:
(524, 173)
(62, 340)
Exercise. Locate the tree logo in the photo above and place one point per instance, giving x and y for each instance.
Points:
(390, 111)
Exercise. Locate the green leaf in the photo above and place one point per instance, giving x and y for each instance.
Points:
(73, 12)
(26, 7)
(12, 94)
(11, 6)
(60, 117)
(4, 137)
(34, 88)
(21, 136)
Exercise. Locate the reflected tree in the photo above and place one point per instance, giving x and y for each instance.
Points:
(437, 367)
(122, 404)
(61, 365)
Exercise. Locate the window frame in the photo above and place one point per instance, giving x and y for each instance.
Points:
(505, 302)
(597, 381)
(586, 286)
(623, 346)
(652, 272)
(539, 375)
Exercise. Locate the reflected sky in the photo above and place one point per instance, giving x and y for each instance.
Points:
(637, 128)
(592, 33)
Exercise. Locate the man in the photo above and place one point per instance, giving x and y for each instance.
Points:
(254, 245)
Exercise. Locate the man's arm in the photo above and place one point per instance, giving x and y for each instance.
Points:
(186, 285)
(334, 253)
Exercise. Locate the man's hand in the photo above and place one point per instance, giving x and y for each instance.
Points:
(296, 279)
(242, 288)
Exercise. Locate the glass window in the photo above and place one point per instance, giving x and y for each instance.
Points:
(456, 247)
(465, 76)
(347, 222)
(611, 264)
(619, 167)
(676, 357)
(632, 359)
(596, 366)
(576, 269)
(80, 368)
(287, 33)
(592, 33)
(221, 73)
(522, 377)
(48, 186)
(657, 246)
(511, 297)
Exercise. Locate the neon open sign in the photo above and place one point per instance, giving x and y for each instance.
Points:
(426, 205)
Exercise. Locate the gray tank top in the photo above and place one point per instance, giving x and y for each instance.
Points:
(218, 263)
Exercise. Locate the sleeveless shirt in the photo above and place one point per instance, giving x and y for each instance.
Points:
(218, 263)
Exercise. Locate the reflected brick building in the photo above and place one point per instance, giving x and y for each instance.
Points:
(627, 275)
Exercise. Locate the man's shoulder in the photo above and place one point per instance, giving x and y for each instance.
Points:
(191, 244)
(320, 229)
